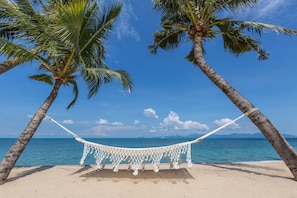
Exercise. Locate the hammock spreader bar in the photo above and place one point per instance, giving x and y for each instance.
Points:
(137, 157)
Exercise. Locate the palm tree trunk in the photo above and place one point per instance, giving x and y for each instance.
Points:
(8, 65)
(282, 147)
(17, 149)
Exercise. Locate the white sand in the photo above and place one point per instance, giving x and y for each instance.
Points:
(258, 179)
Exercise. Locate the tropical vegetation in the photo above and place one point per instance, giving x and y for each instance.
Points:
(201, 20)
(66, 40)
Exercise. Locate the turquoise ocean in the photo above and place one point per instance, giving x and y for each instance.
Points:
(50, 152)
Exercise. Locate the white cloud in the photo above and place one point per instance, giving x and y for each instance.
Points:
(153, 130)
(136, 122)
(67, 122)
(224, 121)
(105, 122)
(267, 9)
(110, 130)
(173, 122)
(117, 123)
(102, 121)
(150, 113)
(124, 28)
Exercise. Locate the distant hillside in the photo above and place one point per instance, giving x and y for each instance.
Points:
(238, 135)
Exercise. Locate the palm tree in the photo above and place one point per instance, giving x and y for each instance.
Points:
(68, 42)
(201, 20)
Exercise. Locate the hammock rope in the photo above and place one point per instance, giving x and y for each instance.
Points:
(137, 157)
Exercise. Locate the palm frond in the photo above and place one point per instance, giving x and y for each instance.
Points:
(166, 7)
(26, 25)
(43, 78)
(237, 41)
(242, 43)
(75, 92)
(257, 27)
(167, 39)
(69, 19)
(89, 20)
(103, 27)
(125, 80)
(95, 77)
(21, 16)
(240, 4)
(21, 52)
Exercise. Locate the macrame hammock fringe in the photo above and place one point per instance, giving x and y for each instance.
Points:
(137, 157)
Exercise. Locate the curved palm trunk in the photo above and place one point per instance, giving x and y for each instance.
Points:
(282, 147)
(16, 150)
(8, 65)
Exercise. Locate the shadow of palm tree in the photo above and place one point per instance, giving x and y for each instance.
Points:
(84, 168)
(249, 168)
(29, 172)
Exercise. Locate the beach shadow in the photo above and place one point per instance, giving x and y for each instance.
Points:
(84, 168)
(168, 174)
(28, 172)
(247, 168)
(255, 166)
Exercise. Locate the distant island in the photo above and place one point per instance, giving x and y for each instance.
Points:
(233, 135)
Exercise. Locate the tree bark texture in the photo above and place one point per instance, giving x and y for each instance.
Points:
(8, 65)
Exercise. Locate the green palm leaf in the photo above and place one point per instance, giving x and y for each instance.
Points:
(21, 52)
(201, 18)
(100, 28)
(66, 37)
(75, 92)
(95, 77)
(43, 78)
(68, 23)
(167, 39)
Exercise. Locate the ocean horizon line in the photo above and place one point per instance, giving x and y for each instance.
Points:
(190, 136)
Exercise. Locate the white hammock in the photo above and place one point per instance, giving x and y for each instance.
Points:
(137, 157)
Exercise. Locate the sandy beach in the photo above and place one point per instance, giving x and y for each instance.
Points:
(254, 179)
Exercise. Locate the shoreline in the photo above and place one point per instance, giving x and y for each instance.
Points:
(240, 179)
(149, 164)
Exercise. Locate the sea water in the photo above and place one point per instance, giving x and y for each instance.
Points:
(49, 152)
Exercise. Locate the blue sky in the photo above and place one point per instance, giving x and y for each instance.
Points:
(170, 95)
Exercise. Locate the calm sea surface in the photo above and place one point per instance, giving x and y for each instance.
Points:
(48, 152)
